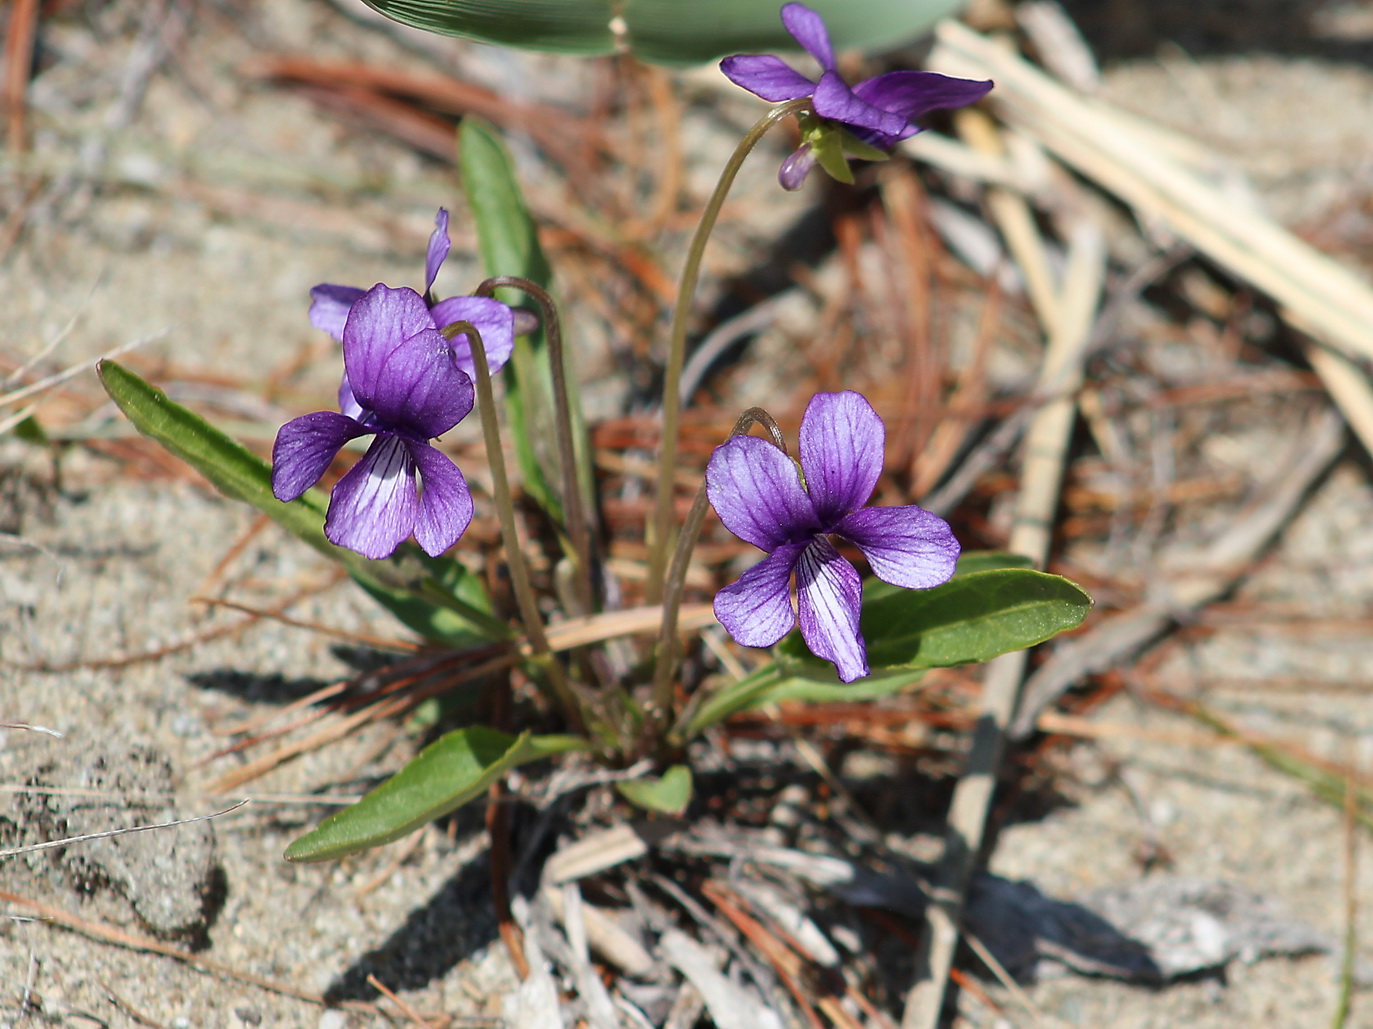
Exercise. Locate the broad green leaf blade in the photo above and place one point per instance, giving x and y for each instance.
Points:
(669, 795)
(407, 585)
(969, 563)
(988, 561)
(445, 775)
(509, 244)
(669, 31)
(970, 618)
(874, 687)
(772, 685)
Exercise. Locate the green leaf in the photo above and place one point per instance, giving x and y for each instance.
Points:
(987, 561)
(772, 685)
(670, 31)
(991, 606)
(509, 244)
(30, 431)
(969, 563)
(669, 795)
(436, 597)
(971, 618)
(445, 775)
(812, 691)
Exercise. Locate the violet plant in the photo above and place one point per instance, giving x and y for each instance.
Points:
(414, 366)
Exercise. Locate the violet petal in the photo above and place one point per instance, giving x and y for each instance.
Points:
(833, 99)
(756, 611)
(329, 307)
(400, 367)
(304, 449)
(374, 506)
(347, 403)
(766, 76)
(829, 595)
(445, 501)
(808, 29)
(439, 246)
(842, 442)
(756, 491)
(493, 320)
(906, 546)
(910, 94)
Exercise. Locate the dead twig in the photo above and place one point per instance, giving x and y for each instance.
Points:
(1209, 575)
(1045, 451)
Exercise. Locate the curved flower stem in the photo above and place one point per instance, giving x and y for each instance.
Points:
(505, 510)
(575, 508)
(660, 706)
(660, 529)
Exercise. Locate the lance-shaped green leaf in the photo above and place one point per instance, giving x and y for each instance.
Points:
(454, 769)
(668, 795)
(971, 618)
(509, 245)
(772, 685)
(668, 31)
(436, 597)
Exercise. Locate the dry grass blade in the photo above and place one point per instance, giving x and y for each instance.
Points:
(405, 1009)
(1098, 141)
(119, 937)
(1045, 450)
(1225, 559)
(67, 841)
(1318, 294)
(19, 41)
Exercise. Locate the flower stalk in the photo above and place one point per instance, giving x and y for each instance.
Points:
(505, 509)
(575, 507)
(660, 529)
(669, 647)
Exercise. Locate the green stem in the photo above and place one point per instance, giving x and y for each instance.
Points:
(505, 509)
(669, 648)
(660, 529)
(574, 504)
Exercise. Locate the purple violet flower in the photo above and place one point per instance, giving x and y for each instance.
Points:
(764, 498)
(404, 386)
(877, 113)
(331, 303)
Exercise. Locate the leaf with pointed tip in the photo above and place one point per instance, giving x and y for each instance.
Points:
(772, 685)
(970, 618)
(509, 245)
(436, 597)
(454, 769)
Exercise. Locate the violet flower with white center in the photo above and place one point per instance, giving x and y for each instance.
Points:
(877, 113)
(330, 305)
(762, 497)
(406, 389)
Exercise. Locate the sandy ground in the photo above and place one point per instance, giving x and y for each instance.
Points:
(193, 213)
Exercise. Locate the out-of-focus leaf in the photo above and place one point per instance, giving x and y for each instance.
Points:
(445, 775)
(669, 795)
(30, 431)
(667, 31)
(509, 244)
(436, 597)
